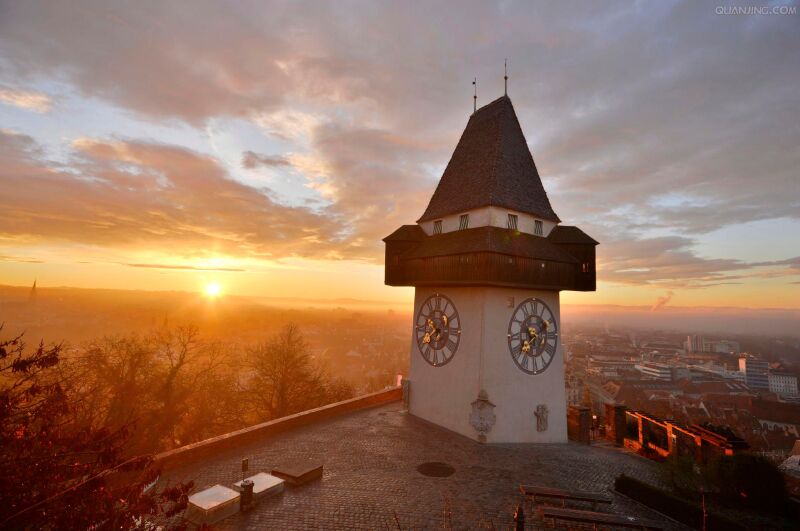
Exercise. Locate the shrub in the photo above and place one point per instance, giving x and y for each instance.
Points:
(750, 480)
(682, 473)
(681, 510)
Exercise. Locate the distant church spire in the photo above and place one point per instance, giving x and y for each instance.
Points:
(475, 95)
(505, 77)
(32, 294)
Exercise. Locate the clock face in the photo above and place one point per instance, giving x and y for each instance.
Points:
(437, 329)
(532, 336)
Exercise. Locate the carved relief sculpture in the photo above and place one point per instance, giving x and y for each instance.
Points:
(482, 417)
(406, 389)
(541, 417)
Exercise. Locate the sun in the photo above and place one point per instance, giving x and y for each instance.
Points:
(213, 290)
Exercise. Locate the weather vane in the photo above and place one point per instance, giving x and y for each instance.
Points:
(475, 95)
(505, 77)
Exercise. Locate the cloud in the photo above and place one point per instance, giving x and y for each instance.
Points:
(287, 124)
(26, 99)
(672, 262)
(375, 179)
(664, 261)
(252, 160)
(19, 259)
(779, 268)
(128, 194)
(186, 268)
(650, 125)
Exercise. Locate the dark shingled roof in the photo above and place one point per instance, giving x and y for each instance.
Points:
(569, 234)
(406, 233)
(491, 166)
(493, 240)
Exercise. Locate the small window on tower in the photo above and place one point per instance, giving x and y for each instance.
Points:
(538, 229)
(437, 226)
(512, 221)
(585, 267)
(463, 222)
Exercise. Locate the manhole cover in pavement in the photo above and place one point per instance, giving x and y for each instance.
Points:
(436, 469)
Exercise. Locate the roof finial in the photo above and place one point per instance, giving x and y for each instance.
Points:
(475, 95)
(505, 77)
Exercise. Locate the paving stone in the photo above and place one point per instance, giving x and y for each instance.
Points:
(370, 479)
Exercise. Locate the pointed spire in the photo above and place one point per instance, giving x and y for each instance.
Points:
(505, 77)
(491, 166)
(474, 95)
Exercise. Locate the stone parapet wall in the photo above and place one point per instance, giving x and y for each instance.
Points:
(209, 447)
(615, 423)
(579, 424)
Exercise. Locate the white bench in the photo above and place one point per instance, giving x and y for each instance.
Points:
(212, 505)
(264, 485)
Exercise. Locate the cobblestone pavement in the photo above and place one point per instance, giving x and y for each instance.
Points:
(370, 479)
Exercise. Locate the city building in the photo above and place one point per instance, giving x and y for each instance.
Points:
(664, 371)
(698, 343)
(694, 343)
(609, 366)
(659, 371)
(783, 383)
(487, 260)
(756, 372)
(724, 346)
(711, 368)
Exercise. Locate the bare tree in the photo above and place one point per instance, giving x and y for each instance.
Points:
(117, 382)
(284, 379)
(177, 349)
(211, 405)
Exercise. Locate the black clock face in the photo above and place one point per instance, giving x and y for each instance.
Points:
(437, 329)
(532, 336)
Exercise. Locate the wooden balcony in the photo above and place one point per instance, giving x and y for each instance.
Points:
(488, 269)
(491, 256)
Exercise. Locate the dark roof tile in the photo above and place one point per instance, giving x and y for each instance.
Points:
(406, 233)
(569, 234)
(491, 166)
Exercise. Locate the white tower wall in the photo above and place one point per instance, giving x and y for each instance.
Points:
(444, 395)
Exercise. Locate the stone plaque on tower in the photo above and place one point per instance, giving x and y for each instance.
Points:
(488, 259)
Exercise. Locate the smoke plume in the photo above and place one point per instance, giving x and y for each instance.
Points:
(662, 301)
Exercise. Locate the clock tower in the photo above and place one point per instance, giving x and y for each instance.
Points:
(487, 260)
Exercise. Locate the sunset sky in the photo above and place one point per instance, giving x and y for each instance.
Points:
(267, 147)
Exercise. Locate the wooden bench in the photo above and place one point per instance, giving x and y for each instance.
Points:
(298, 472)
(596, 519)
(533, 491)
